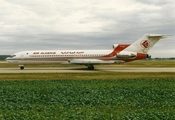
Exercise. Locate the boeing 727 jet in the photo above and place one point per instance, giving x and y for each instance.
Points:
(120, 53)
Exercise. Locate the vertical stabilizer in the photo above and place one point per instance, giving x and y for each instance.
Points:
(144, 44)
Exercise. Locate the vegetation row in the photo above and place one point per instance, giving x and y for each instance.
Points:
(88, 99)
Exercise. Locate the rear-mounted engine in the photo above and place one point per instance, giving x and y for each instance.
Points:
(126, 55)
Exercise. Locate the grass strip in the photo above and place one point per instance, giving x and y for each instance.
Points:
(83, 76)
(138, 63)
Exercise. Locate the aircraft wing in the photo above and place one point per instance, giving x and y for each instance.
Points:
(93, 61)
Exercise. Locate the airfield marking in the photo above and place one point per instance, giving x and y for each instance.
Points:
(77, 69)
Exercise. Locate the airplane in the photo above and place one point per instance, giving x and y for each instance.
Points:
(119, 54)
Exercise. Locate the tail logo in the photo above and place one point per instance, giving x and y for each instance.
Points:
(145, 44)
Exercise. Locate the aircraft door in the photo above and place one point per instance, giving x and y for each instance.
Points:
(24, 55)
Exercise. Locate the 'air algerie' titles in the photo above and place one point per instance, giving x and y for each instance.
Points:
(48, 53)
(72, 52)
(43, 53)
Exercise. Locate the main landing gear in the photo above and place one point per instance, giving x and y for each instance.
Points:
(21, 67)
(90, 67)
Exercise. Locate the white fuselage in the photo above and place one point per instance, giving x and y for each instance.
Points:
(57, 56)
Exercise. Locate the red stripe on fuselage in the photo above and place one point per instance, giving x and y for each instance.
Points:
(118, 49)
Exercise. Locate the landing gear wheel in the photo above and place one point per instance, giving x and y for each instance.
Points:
(90, 67)
(22, 67)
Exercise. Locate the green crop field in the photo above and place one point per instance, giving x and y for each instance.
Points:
(130, 99)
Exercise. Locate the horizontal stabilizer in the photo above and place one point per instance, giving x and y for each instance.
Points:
(160, 36)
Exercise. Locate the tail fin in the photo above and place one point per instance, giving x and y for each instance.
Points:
(144, 44)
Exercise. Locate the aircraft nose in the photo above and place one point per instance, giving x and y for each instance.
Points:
(7, 59)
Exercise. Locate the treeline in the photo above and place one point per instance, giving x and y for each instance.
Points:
(171, 58)
(3, 57)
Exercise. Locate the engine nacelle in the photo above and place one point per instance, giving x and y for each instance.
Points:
(126, 55)
(114, 46)
(148, 56)
(120, 46)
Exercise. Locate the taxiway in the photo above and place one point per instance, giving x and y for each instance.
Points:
(82, 69)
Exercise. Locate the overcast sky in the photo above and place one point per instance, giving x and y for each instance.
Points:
(84, 24)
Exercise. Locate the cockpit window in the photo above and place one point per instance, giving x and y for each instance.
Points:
(13, 56)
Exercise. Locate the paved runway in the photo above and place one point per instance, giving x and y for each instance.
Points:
(83, 69)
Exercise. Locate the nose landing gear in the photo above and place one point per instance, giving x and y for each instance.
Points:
(21, 67)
